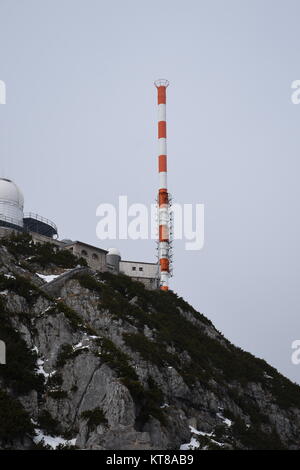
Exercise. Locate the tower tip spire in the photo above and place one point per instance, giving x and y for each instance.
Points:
(162, 82)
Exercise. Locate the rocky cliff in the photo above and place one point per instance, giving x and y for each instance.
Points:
(95, 361)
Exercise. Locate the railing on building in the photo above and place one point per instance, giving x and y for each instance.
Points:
(10, 222)
(31, 223)
(31, 215)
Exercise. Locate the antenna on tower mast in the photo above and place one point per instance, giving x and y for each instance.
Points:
(163, 195)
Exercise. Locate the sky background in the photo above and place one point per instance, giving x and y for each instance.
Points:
(79, 129)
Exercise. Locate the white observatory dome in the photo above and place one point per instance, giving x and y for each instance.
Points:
(11, 202)
(114, 251)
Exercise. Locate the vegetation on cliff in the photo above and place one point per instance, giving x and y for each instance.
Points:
(146, 338)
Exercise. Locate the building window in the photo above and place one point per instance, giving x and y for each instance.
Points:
(133, 268)
(84, 253)
(94, 256)
(141, 269)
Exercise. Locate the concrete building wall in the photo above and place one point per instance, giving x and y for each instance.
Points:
(37, 238)
(138, 269)
(147, 273)
(95, 257)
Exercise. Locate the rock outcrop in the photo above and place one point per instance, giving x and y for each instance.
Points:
(95, 361)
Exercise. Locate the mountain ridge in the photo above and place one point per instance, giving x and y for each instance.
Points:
(102, 363)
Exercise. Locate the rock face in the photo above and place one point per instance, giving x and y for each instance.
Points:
(97, 362)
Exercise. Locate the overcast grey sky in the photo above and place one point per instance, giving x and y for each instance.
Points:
(79, 129)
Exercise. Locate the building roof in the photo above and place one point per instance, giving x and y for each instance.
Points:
(87, 245)
(137, 262)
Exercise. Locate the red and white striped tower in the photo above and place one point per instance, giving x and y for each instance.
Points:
(163, 195)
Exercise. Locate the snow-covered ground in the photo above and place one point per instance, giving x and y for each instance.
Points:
(40, 363)
(200, 433)
(267, 376)
(195, 444)
(48, 277)
(226, 421)
(51, 441)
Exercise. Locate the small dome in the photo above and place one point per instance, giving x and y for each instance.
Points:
(10, 192)
(114, 251)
